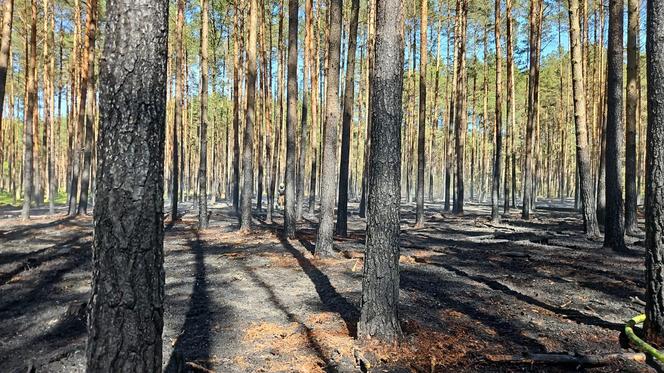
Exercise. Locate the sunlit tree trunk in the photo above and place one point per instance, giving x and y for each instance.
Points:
(291, 121)
(202, 164)
(460, 118)
(324, 240)
(31, 94)
(380, 286)
(248, 143)
(128, 272)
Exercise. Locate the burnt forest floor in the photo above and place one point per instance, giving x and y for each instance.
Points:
(260, 303)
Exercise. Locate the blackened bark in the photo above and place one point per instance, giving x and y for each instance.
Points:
(91, 29)
(126, 305)
(533, 98)
(580, 120)
(460, 119)
(291, 120)
(497, 135)
(248, 143)
(654, 325)
(324, 241)
(422, 123)
(179, 103)
(614, 227)
(349, 102)
(237, 36)
(31, 90)
(633, 76)
(380, 285)
(202, 166)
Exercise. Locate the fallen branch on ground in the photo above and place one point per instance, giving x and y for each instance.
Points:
(566, 358)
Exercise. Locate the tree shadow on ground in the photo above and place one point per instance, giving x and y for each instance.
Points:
(193, 342)
(331, 299)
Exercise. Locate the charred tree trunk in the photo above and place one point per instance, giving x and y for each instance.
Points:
(31, 93)
(349, 101)
(380, 286)
(291, 121)
(324, 240)
(177, 115)
(498, 136)
(202, 164)
(654, 326)
(128, 271)
(633, 76)
(614, 227)
(248, 143)
(460, 118)
(422, 120)
(582, 149)
(237, 36)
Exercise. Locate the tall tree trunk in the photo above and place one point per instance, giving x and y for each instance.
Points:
(5, 46)
(371, 22)
(237, 37)
(349, 101)
(582, 149)
(314, 73)
(614, 227)
(380, 285)
(202, 164)
(324, 241)
(49, 106)
(633, 76)
(422, 122)
(280, 117)
(510, 172)
(533, 99)
(91, 29)
(248, 143)
(498, 131)
(179, 103)
(460, 119)
(128, 271)
(654, 326)
(451, 117)
(31, 93)
(291, 121)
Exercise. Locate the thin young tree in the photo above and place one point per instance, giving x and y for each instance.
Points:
(324, 240)
(380, 286)
(654, 325)
(349, 102)
(128, 270)
(631, 117)
(290, 217)
(248, 143)
(581, 121)
(498, 131)
(49, 122)
(202, 164)
(614, 226)
(31, 93)
(422, 124)
(510, 163)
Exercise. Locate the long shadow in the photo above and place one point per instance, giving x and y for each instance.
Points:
(22, 232)
(443, 291)
(331, 299)
(193, 344)
(35, 258)
(318, 349)
(571, 314)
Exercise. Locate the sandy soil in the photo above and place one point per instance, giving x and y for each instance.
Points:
(260, 303)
